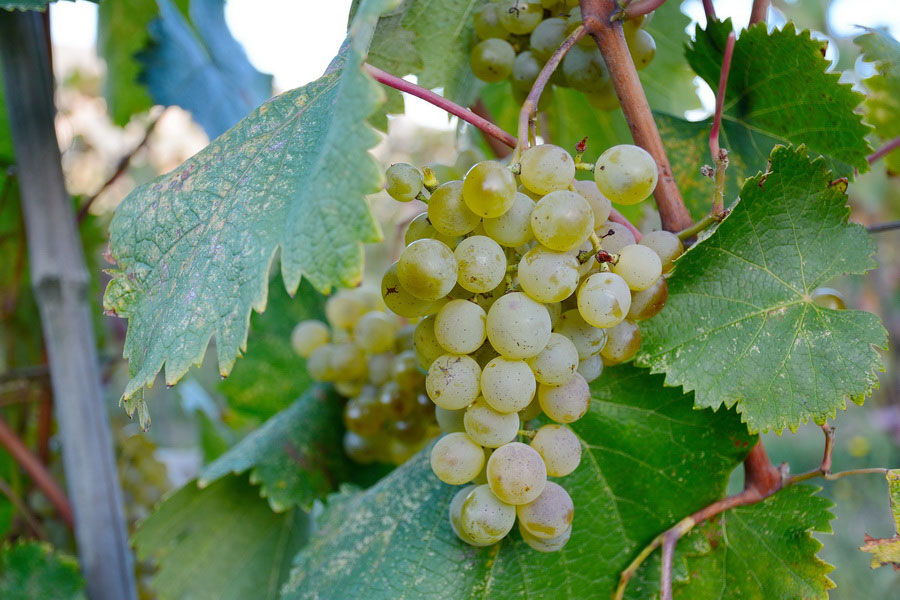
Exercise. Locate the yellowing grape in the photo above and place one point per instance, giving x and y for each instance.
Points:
(427, 269)
(447, 212)
(512, 228)
(559, 447)
(546, 168)
(309, 335)
(550, 514)
(562, 220)
(548, 276)
(459, 327)
(481, 264)
(604, 299)
(626, 174)
(556, 363)
(517, 326)
(489, 189)
(456, 459)
(638, 265)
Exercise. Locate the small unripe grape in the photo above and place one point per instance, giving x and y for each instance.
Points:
(362, 417)
(406, 334)
(562, 220)
(507, 385)
(459, 327)
(348, 361)
(379, 367)
(546, 168)
(484, 518)
(614, 236)
(448, 213)
(548, 276)
(525, 70)
(550, 514)
(309, 335)
(513, 228)
(400, 301)
(375, 332)
(456, 459)
(520, 17)
(453, 381)
(623, 343)
(517, 326)
(516, 473)
(557, 362)
(425, 341)
(630, 26)
(559, 447)
(403, 182)
(828, 298)
(585, 69)
(421, 228)
(455, 511)
(489, 189)
(319, 364)
(541, 545)
(405, 371)
(427, 269)
(588, 340)
(591, 367)
(481, 264)
(343, 309)
(532, 411)
(485, 354)
(450, 421)
(604, 299)
(565, 403)
(492, 60)
(486, 21)
(547, 37)
(605, 99)
(626, 174)
(642, 47)
(638, 265)
(647, 303)
(667, 246)
(488, 427)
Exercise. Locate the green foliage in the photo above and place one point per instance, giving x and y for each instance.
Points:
(883, 101)
(668, 80)
(6, 147)
(194, 247)
(220, 543)
(886, 551)
(121, 34)
(740, 326)
(30, 570)
(40, 5)
(639, 439)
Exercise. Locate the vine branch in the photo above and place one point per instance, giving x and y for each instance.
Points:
(639, 8)
(710, 10)
(719, 155)
(759, 11)
(879, 227)
(884, 150)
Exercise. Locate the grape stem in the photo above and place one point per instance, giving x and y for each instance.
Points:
(879, 227)
(702, 224)
(719, 155)
(759, 11)
(710, 10)
(639, 8)
(884, 150)
(451, 107)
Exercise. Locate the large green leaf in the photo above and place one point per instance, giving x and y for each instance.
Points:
(194, 247)
(641, 442)
(883, 102)
(31, 570)
(740, 326)
(668, 80)
(121, 34)
(221, 543)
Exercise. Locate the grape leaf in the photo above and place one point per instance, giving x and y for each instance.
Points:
(740, 328)
(220, 543)
(668, 80)
(30, 570)
(121, 33)
(886, 551)
(640, 441)
(194, 247)
(883, 101)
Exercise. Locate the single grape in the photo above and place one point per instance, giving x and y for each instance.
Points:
(565, 403)
(591, 367)
(559, 447)
(626, 174)
(532, 411)
(604, 299)
(486, 21)
(614, 236)
(481, 263)
(588, 340)
(623, 343)
(425, 341)
(360, 449)
(420, 228)
(450, 421)
(348, 361)
(395, 402)
(447, 212)
(642, 47)
(375, 332)
(547, 37)
(550, 514)
(343, 309)
(459, 327)
(405, 371)
(562, 220)
(489, 189)
(828, 298)
(541, 545)
(453, 381)
(507, 385)
(456, 512)
(548, 276)
(525, 70)
(606, 99)
(484, 518)
(427, 269)
(520, 17)
(379, 367)
(516, 473)
(666, 245)
(410, 431)
(309, 335)
(647, 303)
(362, 416)
(488, 427)
(546, 168)
(572, 23)
(639, 266)
(400, 301)
(517, 326)
(456, 459)
(600, 204)
(513, 228)
(630, 26)
(318, 365)
(492, 60)
(556, 363)
(585, 69)
(403, 182)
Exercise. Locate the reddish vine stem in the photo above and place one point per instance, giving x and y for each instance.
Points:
(884, 150)
(759, 11)
(600, 22)
(499, 149)
(451, 107)
(710, 10)
(720, 156)
(639, 8)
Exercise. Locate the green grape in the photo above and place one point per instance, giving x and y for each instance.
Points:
(421, 228)
(623, 343)
(459, 327)
(562, 220)
(525, 70)
(456, 459)
(614, 236)
(532, 411)
(453, 381)
(427, 269)
(565, 403)
(639, 266)
(456, 514)
(447, 212)
(450, 421)
(349, 389)
(487, 23)
(489, 189)
(631, 26)
(406, 334)
(585, 70)
(405, 371)
(520, 17)
(605, 99)
(647, 303)
(394, 402)
(524, 190)
(541, 545)
(507, 385)
(403, 182)
(550, 514)
(360, 449)
(828, 298)
(556, 363)
(547, 37)
(489, 427)
(319, 364)
(559, 447)
(343, 309)
(411, 431)
(642, 47)
(555, 310)
(481, 263)
(379, 367)
(375, 332)
(588, 339)
(401, 302)
(362, 417)
(484, 518)
(425, 341)
(517, 326)
(516, 473)
(600, 204)
(591, 367)
(667, 246)
(486, 299)
(468, 158)
(512, 228)
(572, 23)
(348, 361)
(309, 335)
(548, 276)
(492, 60)
(626, 174)
(485, 354)
(546, 168)
(604, 299)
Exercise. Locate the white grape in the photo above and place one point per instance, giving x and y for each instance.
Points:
(546, 168)
(639, 266)
(459, 327)
(481, 263)
(556, 363)
(565, 403)
(507, 385)
(588, 340)
(488, 427)
(512, 228)
(604, 299)
(548, 276)
(591, 368)
(517, 326)
(562, 220)
(550, 514)
(453, 381)
(456, 459)
(484, 518)
(559, 447)
(516, 473)
(309, 335)
(626, 174)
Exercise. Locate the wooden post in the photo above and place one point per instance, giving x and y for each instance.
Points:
(60, 280)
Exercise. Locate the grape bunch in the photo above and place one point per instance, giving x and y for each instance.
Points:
(368, 355)
(518, 37)
(524, 291)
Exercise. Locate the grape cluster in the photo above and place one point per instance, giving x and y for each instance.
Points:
(368, 355)
(518, 37)
(524, 291)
